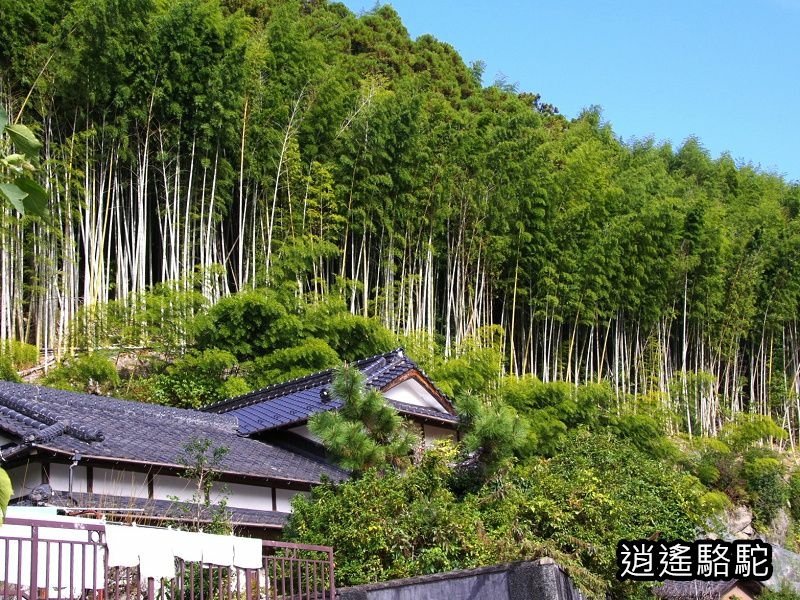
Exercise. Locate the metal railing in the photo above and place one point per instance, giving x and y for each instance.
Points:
(45, 559)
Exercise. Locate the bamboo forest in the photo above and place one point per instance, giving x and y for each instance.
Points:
(225, 146)
(238, 192)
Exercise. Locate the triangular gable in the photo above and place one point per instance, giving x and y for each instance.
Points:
(413, 387)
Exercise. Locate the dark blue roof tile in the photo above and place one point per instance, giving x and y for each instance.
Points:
(293, 402)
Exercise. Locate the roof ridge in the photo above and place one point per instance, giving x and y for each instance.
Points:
(50, 419)
(125, 407)
(293, 385)
(399, 356)
(21, 418)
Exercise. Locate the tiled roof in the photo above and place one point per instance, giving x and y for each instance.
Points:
(293, 402)
(110, 429)
(424, 412)
(144, 508)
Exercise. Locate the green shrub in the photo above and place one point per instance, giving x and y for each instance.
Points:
(351, 336)
(475, 371)
(91, 373)
(645, 433)
(21, 355)
(234, 386)
(247, 325)
(197, 379)
(575, 507)
(387, 526)
(15, 356)
(746, 430)
(311, 356)
(768, 492)
(794, 495)
(7, 370)
(785, 592)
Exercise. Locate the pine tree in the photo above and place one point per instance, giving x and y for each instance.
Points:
(366, 432)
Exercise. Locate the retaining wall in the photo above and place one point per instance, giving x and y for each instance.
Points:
(534, 580)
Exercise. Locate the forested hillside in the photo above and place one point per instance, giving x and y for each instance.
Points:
(205, 147)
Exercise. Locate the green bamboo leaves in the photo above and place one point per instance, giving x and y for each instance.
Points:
(16, 170)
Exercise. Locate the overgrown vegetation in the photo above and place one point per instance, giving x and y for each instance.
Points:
(245, 192)
(542, 470)
(574, 507)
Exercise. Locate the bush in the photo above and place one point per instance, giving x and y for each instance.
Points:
(393, 525)
(785, 592)
(763, 473)
(794, 495)
(15, 356)
(7, 370)
(158, 318)
(198, 379)
(20, 354)
(288, 363)
(575, 507)
(746, 430)
(645, 433)
(91, 373)
(477, 371)
(351, 336)
(247, 325)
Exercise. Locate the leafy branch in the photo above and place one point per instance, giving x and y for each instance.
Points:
(17, 185)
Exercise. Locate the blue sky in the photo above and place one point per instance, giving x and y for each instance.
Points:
(726, 71)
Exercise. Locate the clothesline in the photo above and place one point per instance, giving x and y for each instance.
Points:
(80, 561)
(154, 549)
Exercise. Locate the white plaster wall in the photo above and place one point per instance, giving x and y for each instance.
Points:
(283, 499)
(433, 433)
(59, 478)
(242, 495)
(165, 486)
(411, 392)
(25, 478)
(112, 482)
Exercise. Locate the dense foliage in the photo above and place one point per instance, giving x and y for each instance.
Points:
(245, 191)
(212, 146)
(575, 507)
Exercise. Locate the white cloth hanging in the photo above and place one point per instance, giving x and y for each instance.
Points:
(217, 549)
(186, 546)
(155, 549)
(247, 553)
(123, 544)
(156, 555)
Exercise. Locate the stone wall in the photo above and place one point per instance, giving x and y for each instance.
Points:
(537, 580)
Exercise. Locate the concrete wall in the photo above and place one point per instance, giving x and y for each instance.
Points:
(59, 477)
(432, 434)
(539, 580)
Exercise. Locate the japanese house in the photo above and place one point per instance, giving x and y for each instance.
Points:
(280, 413)
(125, 458)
